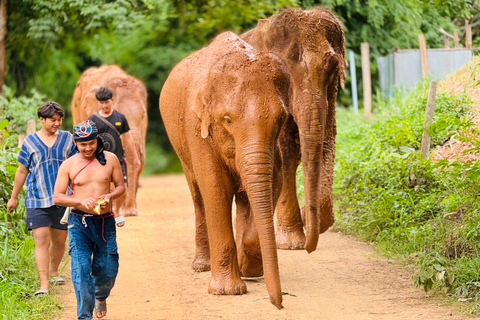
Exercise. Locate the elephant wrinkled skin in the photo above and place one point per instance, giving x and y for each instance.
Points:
(312, 45)
(130, 98)
(223, 108)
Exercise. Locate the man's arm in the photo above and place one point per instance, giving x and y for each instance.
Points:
(130, 148)
(20, 178)
(117, 178)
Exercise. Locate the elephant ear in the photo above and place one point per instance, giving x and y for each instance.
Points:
(201, 110)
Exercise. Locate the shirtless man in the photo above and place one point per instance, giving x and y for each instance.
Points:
(92, 236)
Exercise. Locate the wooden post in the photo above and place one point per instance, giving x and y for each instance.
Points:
(31, 126)
(367, 82)
(446, 35)
(455, 39)
(468, 34)
(425, 146)
(446, 44)
(21, 137)
(3, 34)
(423, 55)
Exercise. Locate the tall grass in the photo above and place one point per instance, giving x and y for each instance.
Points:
(19, 280)
(421, 212)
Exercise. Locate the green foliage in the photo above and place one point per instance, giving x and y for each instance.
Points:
(421, 211)
(390, 24)
(158, 161)
(11, 223)
(434, 267)
(50, 43)
(17, 111)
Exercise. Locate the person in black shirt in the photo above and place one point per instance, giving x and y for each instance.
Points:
(112, 125)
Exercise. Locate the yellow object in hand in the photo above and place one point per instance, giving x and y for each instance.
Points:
(99, 203)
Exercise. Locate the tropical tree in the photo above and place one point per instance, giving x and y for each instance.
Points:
(3, 33)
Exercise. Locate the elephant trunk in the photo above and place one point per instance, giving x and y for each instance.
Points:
(312, 134)
(257, 177)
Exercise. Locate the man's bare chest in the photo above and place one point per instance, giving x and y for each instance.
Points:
(85, 174)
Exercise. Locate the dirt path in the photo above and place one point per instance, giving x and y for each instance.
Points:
(341, 280)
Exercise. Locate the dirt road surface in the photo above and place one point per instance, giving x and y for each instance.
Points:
(342, 280)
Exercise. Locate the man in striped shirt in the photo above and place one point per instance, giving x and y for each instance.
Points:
(39, 158)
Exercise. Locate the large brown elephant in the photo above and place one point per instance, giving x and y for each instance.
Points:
(130, 98)
(223, 108)
(312, 45)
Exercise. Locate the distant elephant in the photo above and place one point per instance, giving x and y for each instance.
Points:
(223, 108)
(130, 98)
(312, 45)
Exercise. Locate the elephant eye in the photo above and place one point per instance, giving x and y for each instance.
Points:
(227, 119)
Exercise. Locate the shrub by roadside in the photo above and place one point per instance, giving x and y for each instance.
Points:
(421, 212)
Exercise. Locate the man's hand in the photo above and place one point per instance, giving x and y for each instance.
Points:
(12, 203)
(89, 203)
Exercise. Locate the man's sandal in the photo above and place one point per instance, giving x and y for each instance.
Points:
(57, 280)
(99, 307)
(41, 292)
(120, 221)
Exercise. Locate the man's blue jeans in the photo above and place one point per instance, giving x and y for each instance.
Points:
(94, 260)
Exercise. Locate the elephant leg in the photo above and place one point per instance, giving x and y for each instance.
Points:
(248, 244)
(129, 207)
(201, 261)
(218, 196)
(289, 226)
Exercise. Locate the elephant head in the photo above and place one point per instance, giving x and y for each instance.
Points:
(223, 108)
(312, 45)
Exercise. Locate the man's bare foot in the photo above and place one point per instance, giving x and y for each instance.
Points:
(101, 308)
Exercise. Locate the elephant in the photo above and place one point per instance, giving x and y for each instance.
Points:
(312, 45)
(130, 98)
(223, 108)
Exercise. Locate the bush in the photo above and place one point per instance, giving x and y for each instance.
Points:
(423, 212)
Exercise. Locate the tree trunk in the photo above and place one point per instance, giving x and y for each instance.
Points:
(3, 34)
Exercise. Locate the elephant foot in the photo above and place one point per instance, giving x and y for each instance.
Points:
(128, 212)
(201, 264)
(230, 286)
(250, 264)
(326, 222)
(251, 270)
(290, 239)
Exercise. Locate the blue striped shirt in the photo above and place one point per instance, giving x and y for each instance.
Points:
(42, 163)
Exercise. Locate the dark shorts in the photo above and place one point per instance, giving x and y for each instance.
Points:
(45, 217)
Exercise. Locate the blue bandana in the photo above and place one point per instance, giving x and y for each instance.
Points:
(85, 131)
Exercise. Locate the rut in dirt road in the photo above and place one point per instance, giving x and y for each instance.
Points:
(342, 279)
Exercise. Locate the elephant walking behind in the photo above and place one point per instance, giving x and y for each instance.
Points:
(223, 109)
(311, 43)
